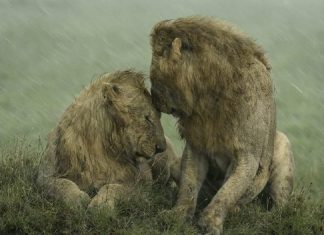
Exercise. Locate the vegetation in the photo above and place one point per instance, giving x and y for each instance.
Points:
(25, 210)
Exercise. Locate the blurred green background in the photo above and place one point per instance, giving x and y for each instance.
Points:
(51, 49)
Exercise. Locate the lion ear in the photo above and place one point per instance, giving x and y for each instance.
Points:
(110, 91)
(176, 48)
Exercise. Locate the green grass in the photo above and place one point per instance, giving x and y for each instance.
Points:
(25, 210)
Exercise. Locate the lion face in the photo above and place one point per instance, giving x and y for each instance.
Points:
(130, 105)
(172, 75)
(168, 99)
(144, 130)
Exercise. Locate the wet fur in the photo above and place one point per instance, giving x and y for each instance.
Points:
(217, 81)
(101, 146)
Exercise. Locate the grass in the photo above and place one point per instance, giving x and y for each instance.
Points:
(25, 210)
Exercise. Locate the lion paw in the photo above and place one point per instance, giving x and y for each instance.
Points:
(101, 202)
(84, 199)
(180, 213)
(211, 225)
(77, 199)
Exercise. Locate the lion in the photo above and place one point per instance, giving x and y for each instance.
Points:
(216, 81)
(108, 140)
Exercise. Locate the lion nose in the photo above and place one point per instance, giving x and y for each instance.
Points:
(159, 148)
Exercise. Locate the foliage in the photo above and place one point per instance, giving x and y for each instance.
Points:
(25, 210)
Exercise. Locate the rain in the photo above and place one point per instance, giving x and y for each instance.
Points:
(50, 50)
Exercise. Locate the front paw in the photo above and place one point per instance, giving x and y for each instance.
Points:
(100, 201)
(84, 199)
(180, 214)
(210, 224)
(77, 198)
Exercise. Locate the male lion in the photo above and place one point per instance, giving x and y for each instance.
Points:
(102, 142)
(217, 81)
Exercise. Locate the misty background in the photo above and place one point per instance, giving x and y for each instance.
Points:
(51, 49)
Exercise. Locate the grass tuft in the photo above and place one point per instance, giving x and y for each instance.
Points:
(25, 210)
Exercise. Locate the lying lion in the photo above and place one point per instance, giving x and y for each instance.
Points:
(105, 142)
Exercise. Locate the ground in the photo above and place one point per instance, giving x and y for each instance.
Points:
(24, 209)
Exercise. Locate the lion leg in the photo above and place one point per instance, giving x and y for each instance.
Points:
(282, 170)
(107, 196)
(64, 190)
(175, 170)
(193, 173)
(279, 179)
(174, 162)
(166, 165)
(244, 170)
(160, 168)
(145, 171)
(259, 183)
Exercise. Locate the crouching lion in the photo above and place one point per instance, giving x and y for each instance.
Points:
(217, 82)
(108, 140)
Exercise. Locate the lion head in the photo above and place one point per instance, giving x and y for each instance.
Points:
(129, 106)
(195, 60)
(173, 69)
